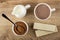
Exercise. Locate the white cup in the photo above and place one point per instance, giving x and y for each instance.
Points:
(20, 10)
(24, 33)
(51, 10)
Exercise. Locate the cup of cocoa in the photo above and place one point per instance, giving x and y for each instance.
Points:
(43, 11)
(20, 28)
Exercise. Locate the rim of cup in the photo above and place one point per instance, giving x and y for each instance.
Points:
(24, 33)
(47, 6)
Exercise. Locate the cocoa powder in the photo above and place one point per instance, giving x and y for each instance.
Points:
(21, 28)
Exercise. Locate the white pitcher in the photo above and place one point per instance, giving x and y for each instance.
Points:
(20, 10)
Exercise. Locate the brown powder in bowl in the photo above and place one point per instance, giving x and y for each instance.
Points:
(21, 28)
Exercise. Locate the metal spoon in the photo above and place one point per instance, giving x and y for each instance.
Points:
(10, 21)
(8, 18)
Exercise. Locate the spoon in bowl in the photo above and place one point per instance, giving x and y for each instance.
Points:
(11, 21)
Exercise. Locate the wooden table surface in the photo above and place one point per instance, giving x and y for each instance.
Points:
(6, 7)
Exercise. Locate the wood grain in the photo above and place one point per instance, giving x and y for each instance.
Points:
(6, 6)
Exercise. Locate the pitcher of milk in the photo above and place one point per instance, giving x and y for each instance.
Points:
(20, 10)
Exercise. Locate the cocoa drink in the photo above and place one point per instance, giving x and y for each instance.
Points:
(42, 11)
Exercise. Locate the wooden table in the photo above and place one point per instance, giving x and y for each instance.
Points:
(6, 7)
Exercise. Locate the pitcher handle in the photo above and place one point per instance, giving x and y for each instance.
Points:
(27, 6)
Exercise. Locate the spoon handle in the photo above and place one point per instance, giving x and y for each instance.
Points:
(7, 18)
